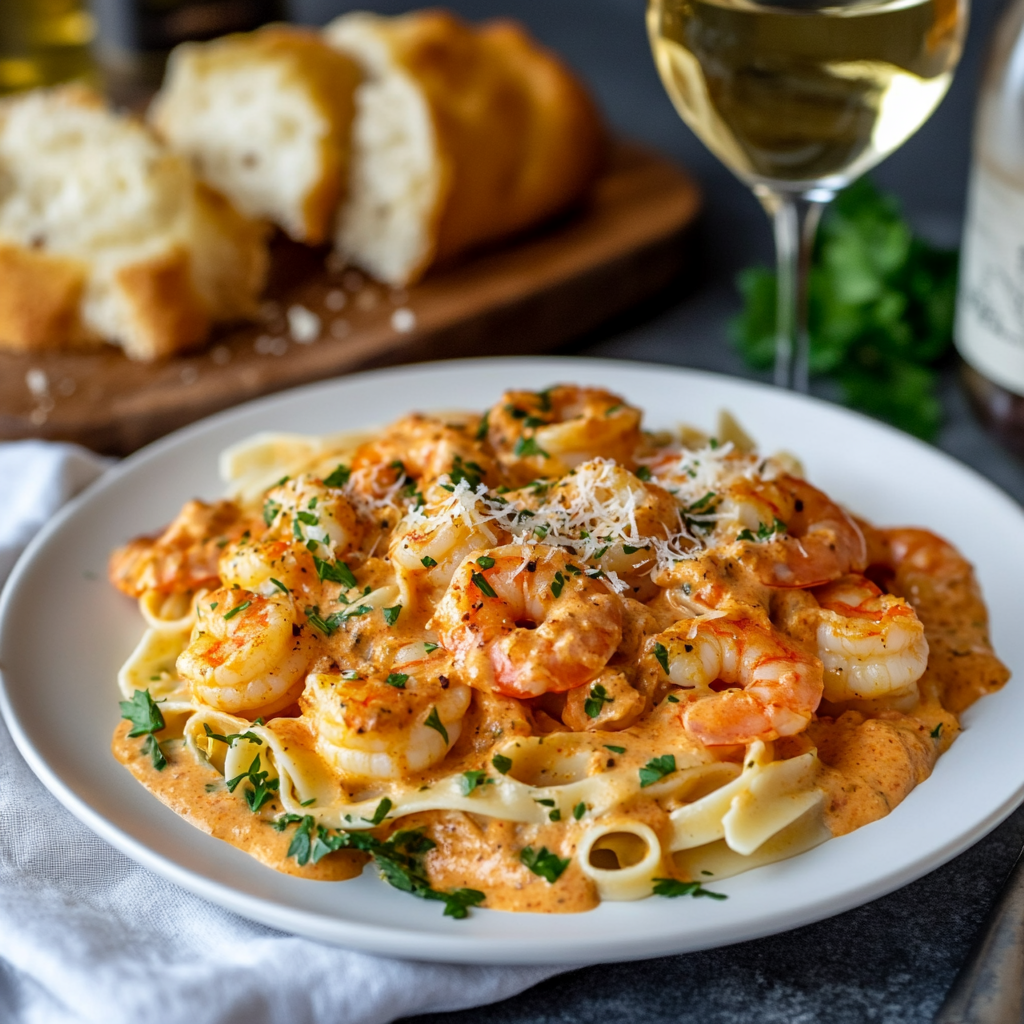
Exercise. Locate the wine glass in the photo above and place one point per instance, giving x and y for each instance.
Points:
(799, 99)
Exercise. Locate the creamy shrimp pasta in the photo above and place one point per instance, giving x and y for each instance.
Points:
(539, 657)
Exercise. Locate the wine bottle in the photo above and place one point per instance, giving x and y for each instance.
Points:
(989, 332)
(135, 36)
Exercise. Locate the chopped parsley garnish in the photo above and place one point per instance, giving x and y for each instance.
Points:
(544, 399)
(307, 518)
(597, 698)
(280, 586)
(485, 562)
(339, 572)
(502, 763)
(427, 562)
(434, 722)
(339, 477)
(936, 732)
(429, 647)
(309, 802)
(232, 736)
(644, 473)
(579, 810)
(471, 780)
(151, 746)
(483, 426)
(764, 531)
(391, 614)
(237, 610)
(661, 653)
(672, 699)
(656, 769)
(146, 718)
(612, 409)
(397, 680)
(544, 801)
(468, 471)
(628, 549)
(528, 446)
(556, 588)
(614, 750)
(483, 586)
(555, 815)
(143, 713)
(271, 510)
(397, 859)
(543, 862)
(673, 887)
(261, 788)
(381, 812)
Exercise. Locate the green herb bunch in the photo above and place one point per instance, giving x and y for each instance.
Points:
(880, 310)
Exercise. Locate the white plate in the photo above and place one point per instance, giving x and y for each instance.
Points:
(64, 631)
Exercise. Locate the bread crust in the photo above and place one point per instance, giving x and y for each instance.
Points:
(39, 300)
(518, 138)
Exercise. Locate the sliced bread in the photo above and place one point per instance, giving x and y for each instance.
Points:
(265, 118)
(463, 135)
(106, 236)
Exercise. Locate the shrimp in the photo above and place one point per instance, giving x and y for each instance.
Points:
(790, 534)
(182, 558)
(377, 727)
(247, 655)
(781, 684)
(416, 451)
(308, 512)
(524, 620)
(547, 433)
(270, 566)
(429, 543)
(872, 645)
(939, 583)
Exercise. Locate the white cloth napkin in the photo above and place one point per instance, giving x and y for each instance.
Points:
(88, 935)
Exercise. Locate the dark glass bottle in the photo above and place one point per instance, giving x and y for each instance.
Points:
(135, 36)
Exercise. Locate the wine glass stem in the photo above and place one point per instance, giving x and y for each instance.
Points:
(796, 223)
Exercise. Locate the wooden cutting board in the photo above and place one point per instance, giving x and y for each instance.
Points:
(630, 242)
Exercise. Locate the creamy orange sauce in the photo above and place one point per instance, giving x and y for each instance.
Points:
(195, 789)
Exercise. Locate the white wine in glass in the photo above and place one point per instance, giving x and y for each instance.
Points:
(798, 100)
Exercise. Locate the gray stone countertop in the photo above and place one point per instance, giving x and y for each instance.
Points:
(892, 960)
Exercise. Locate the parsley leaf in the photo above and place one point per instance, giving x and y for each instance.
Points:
(339, 477)
(143, 713)
(673, 887)
(429, 647)
(237, 610)
(528, 446)
(643, 473)
(397, 859)
(391, 614)
(502, 763)
(427, 562)
(661, 653)
(656, 769)
(381, 812)
(434, 722)
(579, 810)
(485, 562)
(397, 680)
(261, 788)
(471, 779)
(337, 573)
(556, 588)
(152, 747)
(880, 310)
(936, 732)
(231, 737)
(271, 509)
(543, 862)
(468, 471)
(482, 585)
(596, 700)
(614, 750)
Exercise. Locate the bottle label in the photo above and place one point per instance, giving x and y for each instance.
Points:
(990, 304)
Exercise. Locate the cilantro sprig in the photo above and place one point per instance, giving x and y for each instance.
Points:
(880, 310)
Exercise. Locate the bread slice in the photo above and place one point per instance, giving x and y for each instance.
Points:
(462, 136)
(106, 236)
(265, 118)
